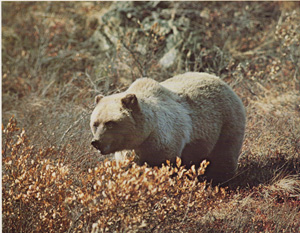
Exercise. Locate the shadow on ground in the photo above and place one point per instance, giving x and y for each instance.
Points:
(253, 173)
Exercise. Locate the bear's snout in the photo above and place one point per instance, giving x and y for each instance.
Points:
(96, 144)
(104, 149)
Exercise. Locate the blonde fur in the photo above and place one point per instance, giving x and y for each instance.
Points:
(194, 116)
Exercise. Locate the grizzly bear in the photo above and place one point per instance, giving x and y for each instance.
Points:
(194, 116)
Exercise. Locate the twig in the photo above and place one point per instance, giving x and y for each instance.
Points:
(70, 127)
(140, 67)
(188, 207)
(90, 79)
(77, 218)
(237, 54)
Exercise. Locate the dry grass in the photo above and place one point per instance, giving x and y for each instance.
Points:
(57, 56)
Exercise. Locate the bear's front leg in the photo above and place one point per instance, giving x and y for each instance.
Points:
(154, 156)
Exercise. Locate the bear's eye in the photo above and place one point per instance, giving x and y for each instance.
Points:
(110, 124)
(96, 124)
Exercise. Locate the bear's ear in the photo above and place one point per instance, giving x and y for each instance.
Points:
(130, 102)
(98, 98)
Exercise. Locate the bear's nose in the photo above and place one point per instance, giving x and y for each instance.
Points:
(96, 144)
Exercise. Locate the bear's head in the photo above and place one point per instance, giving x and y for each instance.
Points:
(115, 123)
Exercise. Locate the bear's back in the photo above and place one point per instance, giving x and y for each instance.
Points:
(190, 81)
(203, 89)
(147, 88)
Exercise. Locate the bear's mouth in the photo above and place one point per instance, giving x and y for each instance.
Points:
(105, 150)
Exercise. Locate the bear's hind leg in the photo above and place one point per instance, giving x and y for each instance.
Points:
(224, 158)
